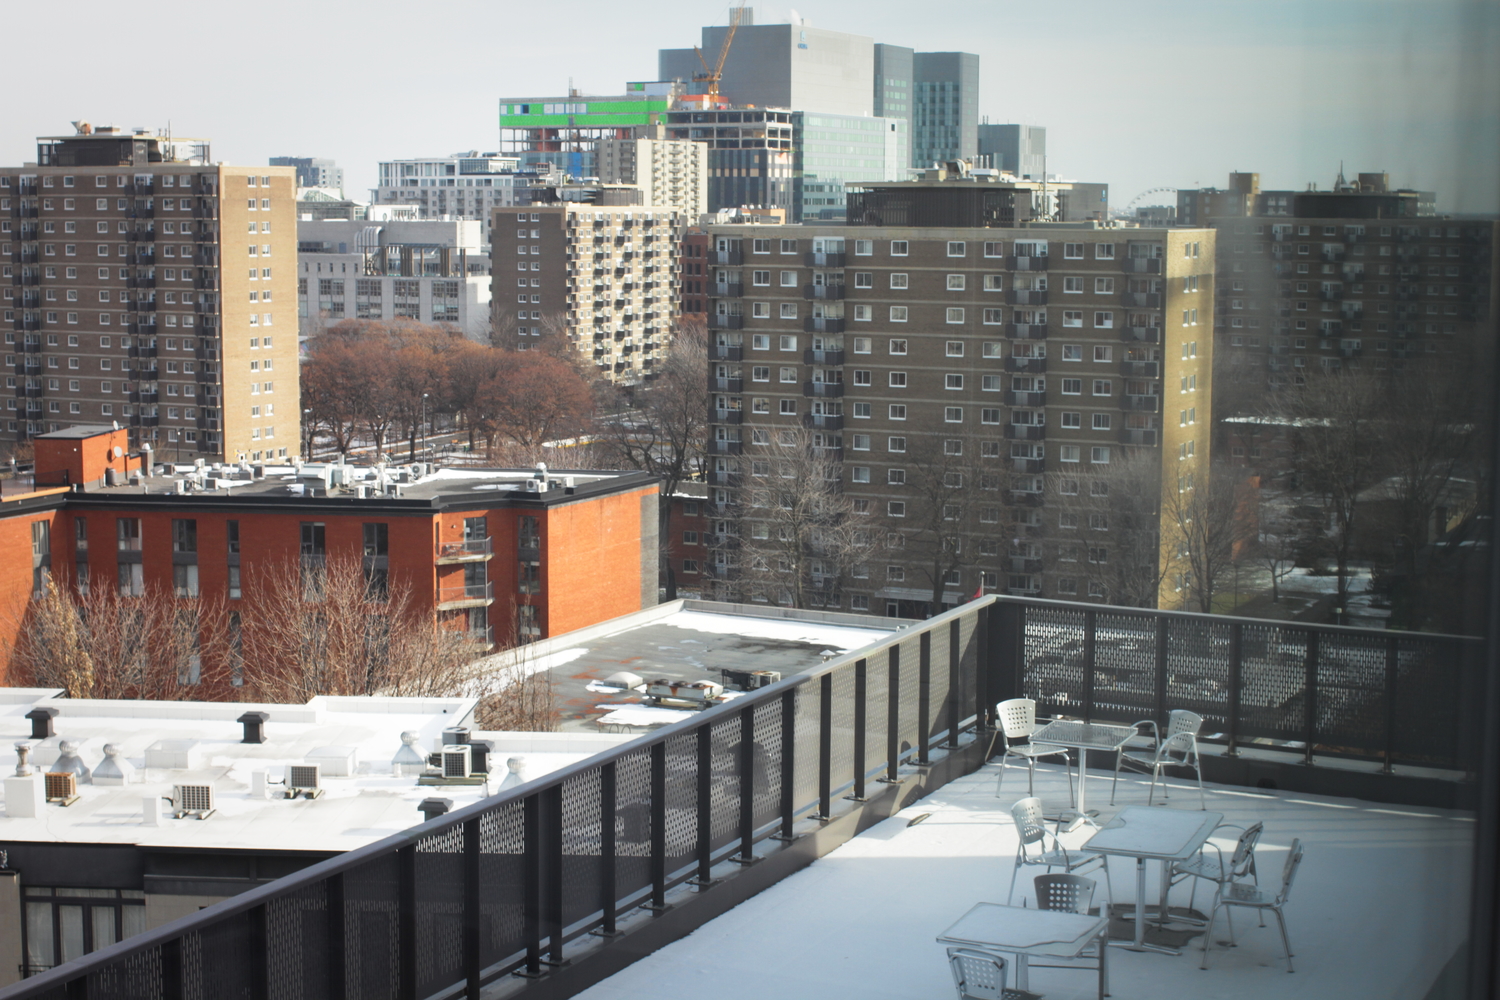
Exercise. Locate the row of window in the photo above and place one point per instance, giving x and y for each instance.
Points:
(955, 248)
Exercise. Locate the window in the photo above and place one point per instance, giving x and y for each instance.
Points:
(989, 415)
(957, 248)
(862, 411)
(895, 508)
(760, 246)
(1104, 320)
(760, 278)
(1073, 251)
(898, 280)
(898, 347)
(788, 342)
(788, 310)
(1072, 317)
(864, 248)
(994, 283)
(1072, 387)
(788, 407)
(1068, 453)
(895, 477)
(898, 248)
(859, 474)
(1104, 251)
(953, 381)
(1101, 421)
(788, 374)
(788, 246)
(864, 279)
(1072, 286)
(895, 445)
(898, 314)
(955, 282)
(760, 310)
(760, 373)
(859, 442)
(898, 411)
(1072, 420)
(953, 414)
(1103, 387)
(955, 315)
(861, 377)
(1099, 455)
(994, 249)
(788, 279)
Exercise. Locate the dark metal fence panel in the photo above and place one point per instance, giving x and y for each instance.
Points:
(219, 960)
(633, 823)
(1272, 674)
(724, 783)
(1124, 666)
(968, 667)
(1054, 659)
(440, 894)
(681, 834)
(502, 867)
(1198, 669)
(1423, 717)
(1351, 692)
(582, 826)
(842, 751)
(937, 722)
(371, 930)
(764, 733)
(298, 959)
(805, 763)
(138, 977)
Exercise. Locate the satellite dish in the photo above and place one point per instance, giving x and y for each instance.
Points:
(118, 451)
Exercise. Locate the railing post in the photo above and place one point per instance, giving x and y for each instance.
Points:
(1090, 625)
(552, 873)
(259, 986)
(704, 806)
(892, 714)
(338, 948)
(1160, 695)
(825, 746)
(1391, 660)
(608, 895)
(406, 920)
(1310, 696)
(861, 724)
(472, 915)
(924, 698)
(747, 789)
(531, 885)
(658, 902)
(955, 698)
(788, 763)
(1236, 675)
(77, 989)
(171, 967)
(984, 704)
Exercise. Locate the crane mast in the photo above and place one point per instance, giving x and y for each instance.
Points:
(711, 77)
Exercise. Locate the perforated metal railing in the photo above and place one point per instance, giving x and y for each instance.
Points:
(510, 884)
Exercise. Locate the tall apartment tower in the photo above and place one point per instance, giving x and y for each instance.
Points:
(469, 185)
(1027, 354)
(893, 94)
(672, 173)
(312, 172)
(146, 285)
(945, 112)
(608, 275)
(1016, 149)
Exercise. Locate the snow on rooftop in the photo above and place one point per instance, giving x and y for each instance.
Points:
(1378, 907)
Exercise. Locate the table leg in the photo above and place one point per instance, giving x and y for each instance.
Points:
(1023, 974)
(1083, 772)
(1138, 943)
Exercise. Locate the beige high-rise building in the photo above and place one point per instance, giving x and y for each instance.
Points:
(146, 285)
(670, 172)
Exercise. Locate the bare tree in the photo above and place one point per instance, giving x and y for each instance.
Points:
(1117, 516)
(1285, 531)
(1206, 521)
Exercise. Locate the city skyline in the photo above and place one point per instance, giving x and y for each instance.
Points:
(1297, 89)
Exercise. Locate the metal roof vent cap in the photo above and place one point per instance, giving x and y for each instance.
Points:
(254, 723)
(114, 769)
(23, 760)
(434, 807)
(516, 768)
(68, 762)
(41, 722)
(408, 762)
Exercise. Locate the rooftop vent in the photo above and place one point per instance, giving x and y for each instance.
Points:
(254, 723)
(62, 787)
(41, 722)
(23, 760)
(516, 773)
(114, 769)
(434, 807)
(408, 762)
(337, 762)
(192, 800)
(68, 762)
(303, 780)
(175, 755)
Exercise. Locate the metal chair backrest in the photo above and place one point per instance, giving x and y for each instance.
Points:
(1182, 721)
(977, 975)
(1017, 717)
(1239, 862)
(1070, 893)
(1027, 814)
(1289, 871)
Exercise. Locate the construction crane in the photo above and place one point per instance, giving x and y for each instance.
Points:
(711, 77)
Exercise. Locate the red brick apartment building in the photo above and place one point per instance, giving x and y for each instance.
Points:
(557, 551)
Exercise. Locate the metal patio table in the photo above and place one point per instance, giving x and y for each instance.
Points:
(1083, 737)
(1023, 932)
(1153, 833)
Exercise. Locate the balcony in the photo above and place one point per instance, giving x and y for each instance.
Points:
(1029, 465)
(1026, 297)
(1141, 369)
(1015, 398)
(728, 289)
(1025, 498)
(1333, 253)
(1331, 294)
(823, 390)
(823, 421)
(722, 384)
(831, 358)
(721, 321)
(1147, 437)
(1141, 404)
(732, 258)
(727, 447)
(467, 550)
(1141, 300)
(824, 259)
(1026, 263)
(822, 324)
(1035, 366)
(1143, 265)
(1026, 331)
(729, 416)
(1025, 432)
(727, 352)
(465, 595)
(822, 291)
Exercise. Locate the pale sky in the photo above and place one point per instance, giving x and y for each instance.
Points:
(1138, 93)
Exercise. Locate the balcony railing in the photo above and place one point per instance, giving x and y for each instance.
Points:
(1143, 265)
(518, 882)
(1026, 263)
(831, 358)
(823, 324)
(822, 291)
(465, 595)
(824, 259)
(1141, 300)
(728, 257)
(720, 321)
(1026, 331)
(467, 550)
(1026, 297)
(822, 389)
(1031, 365)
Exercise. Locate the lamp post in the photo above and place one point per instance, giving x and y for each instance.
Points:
(307, 423)
(424, 423)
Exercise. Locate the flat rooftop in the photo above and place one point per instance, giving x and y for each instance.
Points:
(369, 804)
(682, 640)
(1379, 906)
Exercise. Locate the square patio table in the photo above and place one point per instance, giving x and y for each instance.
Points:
(1083, 737)
(1024, 932)
(1153, 833)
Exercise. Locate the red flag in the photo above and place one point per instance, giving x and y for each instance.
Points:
(978, 593)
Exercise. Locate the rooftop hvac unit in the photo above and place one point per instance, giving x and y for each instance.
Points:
(457, 761)
(303, 779)
(192, 800)
(62, 787)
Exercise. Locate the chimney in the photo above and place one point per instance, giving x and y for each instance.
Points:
(433, 808)
(41, 722)
(254, 723)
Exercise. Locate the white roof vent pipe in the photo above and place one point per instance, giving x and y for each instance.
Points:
(114, 769)
(408, 762)
(541, 471)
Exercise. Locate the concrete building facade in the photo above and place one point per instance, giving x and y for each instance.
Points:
(669, 172)
(945, 109)
(1033, 353)
(312, 172)
(607, 275)
(1016, 149)
(165, 320)
(469, 185)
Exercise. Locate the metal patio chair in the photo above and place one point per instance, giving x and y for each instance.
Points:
(1033, 847)
(1073, 894)
(1256, 898)
(978, 975)
(1179, 748)
(1216, 869)
(1017, 718)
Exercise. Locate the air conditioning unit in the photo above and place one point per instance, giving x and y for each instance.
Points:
(192, 800)
(61, 787)
(303, 779)
(457, 761)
